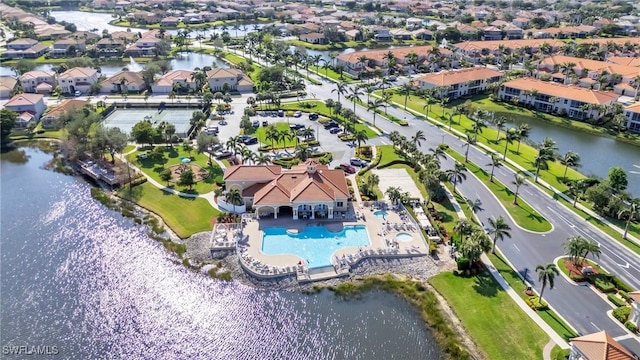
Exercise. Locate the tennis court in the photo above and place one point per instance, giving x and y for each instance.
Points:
(125, 119)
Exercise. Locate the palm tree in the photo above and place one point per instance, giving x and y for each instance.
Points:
(341, 89)
(499, 123)
(495, 162)
(574, 246)
(546, 275)
(406, 89)
(541, 163)
(474, 205)
(303, 152)
(418, 138)
(272, 134)
(232, 143)
(262, 159)
(394, 193)
(233, 197)
(456, 175)
(386, 99)
(592, 247)
(470, 140)
(464, 227)
(499, 229)
(475, 245)
(523, 133)
(631, 213)
(373, 106)
(518, 181)
(510, 136)
(355, 96)
(570, 159)
(361, 137)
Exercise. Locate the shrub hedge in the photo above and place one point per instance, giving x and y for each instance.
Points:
(604, 285)
(631, 326)
(624, 295)
(620, 285)
(616, 300)
(622, 313)
(535, 303)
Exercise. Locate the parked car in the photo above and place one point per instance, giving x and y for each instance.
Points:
(250, 140)
(213, 130)
(335, 130)
(280, 113)
(358, 162)
(331, 125)
(296, 126)
(78, 93)
(265, 123)
(297, 114)
(215, 148)
(313, 116)
(348, 168)
(222, 122)
(222, 154)
(256, 123)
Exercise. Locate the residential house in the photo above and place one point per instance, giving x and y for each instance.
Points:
(473, 51)
(170, 21)
(314, 38)
(50, 31)
(458, 83)
(49, 119)
(38, 81)
(232, 79)
(180, 80)
(513, 32)
(588, 73)
(492, 33)
(355, 35)
(576, 102)
(309, 190)
(625, 60)
(28, 106)
(521, 22)
(146, 45)
(632, 113)
(123, 82)
(401, 34)
(413, 23)
(8, 85)
(77, 79)
(379, 58)
(381, 33)
(598, 346)
(423, 34)
(25, 49)
(109, 47)
(62, 47)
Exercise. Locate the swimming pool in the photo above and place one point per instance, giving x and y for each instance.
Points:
(380, 213)
(404, 237)
(315, 244)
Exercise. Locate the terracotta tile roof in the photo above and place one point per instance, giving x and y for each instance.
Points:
(563, 91)
(77, 72)
(512, 44)
(445, 78)
(601, 346)
(24, 100)
(130, 77)
(175, 75)
(8, 82)
(399, 53)
(619, 41)
(64, 106)
(252, 172)
(34, 74)
(625, 60)
(271, 194)
(592, 65)
(229, 72)
(635, 295)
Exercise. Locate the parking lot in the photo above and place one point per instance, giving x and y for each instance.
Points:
(342, 151)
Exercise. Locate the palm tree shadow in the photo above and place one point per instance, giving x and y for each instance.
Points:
(485, 285)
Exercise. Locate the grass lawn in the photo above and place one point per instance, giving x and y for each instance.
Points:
(331, 74)
(558, 353)
(261, 134)
(514, 280)
(185, 216)
(321, 108)
(22, 134)
(172, 157)
(522, 213)
(498, 326)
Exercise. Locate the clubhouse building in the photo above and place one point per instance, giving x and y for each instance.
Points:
(307, 191)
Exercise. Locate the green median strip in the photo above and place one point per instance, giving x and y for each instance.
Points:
(522, 213)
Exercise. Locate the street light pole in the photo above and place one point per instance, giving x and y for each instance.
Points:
(442, 134)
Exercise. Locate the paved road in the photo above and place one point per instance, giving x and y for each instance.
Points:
(579, 305)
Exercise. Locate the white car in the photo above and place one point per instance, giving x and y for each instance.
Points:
(78, 93)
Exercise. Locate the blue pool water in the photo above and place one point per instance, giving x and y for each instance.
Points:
(380, 213)
(315, 244)
(406, 237)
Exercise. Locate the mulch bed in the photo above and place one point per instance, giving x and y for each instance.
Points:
(576, 270)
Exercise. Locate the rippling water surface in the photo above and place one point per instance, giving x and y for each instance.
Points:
(80, 277)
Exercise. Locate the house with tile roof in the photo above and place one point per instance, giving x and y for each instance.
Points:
(146, 45)
(309, 190)
(130, 81)
(234, 79)
(632, 113)
(576, 102)
(25, 49)
(598, 346)
(78, 79)
(49, 118)
(475, 50)
(461, 82)
(38, 81)
(379, 58)
(625, 60)
(176, 78)
(28, 106)
(7, 85)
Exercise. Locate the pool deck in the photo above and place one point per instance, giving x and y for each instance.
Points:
(381, 233)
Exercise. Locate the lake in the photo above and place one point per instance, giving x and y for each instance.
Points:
(80, 277)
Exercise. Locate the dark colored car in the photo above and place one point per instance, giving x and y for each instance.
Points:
(313, 116)
(335, 130)
(265, 123)
(296, 126)
(223, 154)
(256, 123)
(250, 141)
(348, 168)
(331, 125)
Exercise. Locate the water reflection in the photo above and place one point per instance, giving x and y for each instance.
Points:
(83, 278)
